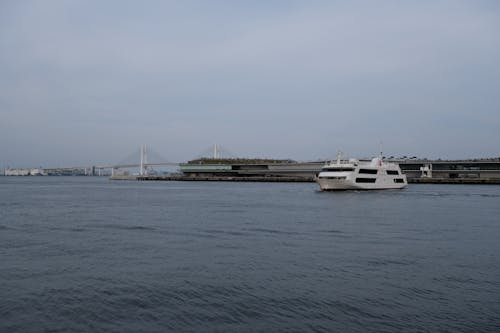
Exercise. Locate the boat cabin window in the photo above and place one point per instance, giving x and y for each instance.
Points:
(399, 180)
(368, 171)
(366, 180)
(392, 172)
(338, 169)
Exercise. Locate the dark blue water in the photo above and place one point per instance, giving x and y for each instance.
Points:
(88, 254)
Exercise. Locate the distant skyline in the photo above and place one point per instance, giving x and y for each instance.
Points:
(88, 82)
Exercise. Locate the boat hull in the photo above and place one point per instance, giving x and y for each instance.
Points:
(346, 184)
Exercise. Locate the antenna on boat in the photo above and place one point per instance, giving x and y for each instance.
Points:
(339, 154)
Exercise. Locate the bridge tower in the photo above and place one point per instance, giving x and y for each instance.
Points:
(216, 152)
(144, 161)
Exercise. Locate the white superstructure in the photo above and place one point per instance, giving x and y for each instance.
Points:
(360, 175)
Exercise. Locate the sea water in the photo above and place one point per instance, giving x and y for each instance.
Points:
(88, 254)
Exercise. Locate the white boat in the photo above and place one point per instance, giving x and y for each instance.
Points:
(360, 175)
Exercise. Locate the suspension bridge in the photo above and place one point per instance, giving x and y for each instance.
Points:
(143, 161)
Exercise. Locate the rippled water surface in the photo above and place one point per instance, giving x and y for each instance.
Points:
(88, 254)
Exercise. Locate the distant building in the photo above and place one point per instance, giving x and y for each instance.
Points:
(24, 172)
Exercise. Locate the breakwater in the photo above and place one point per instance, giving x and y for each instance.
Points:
(258, 179)
(491, 181)
(230, 179)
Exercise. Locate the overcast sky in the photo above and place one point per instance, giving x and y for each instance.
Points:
(90, 81)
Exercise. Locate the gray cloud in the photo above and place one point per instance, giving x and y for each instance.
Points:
(89, 81)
